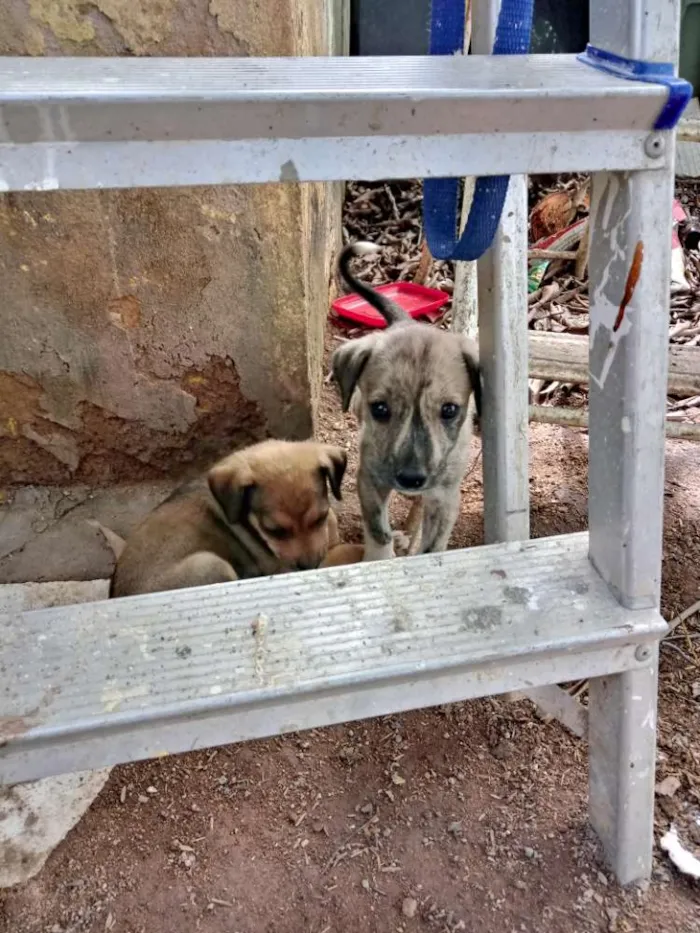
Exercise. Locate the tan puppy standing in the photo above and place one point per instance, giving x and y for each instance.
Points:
(259, 511)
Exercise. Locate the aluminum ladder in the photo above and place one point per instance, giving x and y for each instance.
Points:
(99, 684)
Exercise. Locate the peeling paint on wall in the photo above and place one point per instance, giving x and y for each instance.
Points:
(138, 24)
(63, 18)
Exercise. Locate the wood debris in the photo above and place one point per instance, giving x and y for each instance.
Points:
(390, 215)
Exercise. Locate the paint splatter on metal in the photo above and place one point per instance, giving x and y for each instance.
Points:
(630, 284)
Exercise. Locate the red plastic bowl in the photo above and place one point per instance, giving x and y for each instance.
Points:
(417, 300)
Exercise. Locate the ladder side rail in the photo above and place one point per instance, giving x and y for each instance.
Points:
(503, 345)
(628, 359)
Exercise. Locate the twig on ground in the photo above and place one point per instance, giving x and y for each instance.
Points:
(551, 254)
(686, 657)
(682, 616)
(583, 252)
(423, 267)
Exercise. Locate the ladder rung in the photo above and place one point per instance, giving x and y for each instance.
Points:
(97, 684)
(117, 122)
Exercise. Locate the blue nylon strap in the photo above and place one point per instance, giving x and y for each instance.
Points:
(446, 27)
(679, 91)
(441, 196)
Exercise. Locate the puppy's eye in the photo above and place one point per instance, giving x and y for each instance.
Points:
(449, 411)
(320, 522)
(380, 411)
(279, 534)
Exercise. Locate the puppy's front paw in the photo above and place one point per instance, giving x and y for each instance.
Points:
(374, 551)
(401, 543)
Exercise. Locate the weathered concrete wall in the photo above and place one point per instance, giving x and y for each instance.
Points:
(144, 330)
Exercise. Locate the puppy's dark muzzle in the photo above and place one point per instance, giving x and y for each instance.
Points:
(410, 481)
(308, 563)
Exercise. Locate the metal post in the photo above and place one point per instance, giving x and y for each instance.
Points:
(622, 751)
(630, 256)
(465, 304)
(629, 299)
(502, 296)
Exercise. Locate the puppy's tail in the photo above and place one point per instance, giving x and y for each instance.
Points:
(116, 543)
(389, 310)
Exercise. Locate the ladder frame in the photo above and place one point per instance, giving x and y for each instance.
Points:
(627, 397)
(629, 370)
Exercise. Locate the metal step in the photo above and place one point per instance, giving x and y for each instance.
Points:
(125, 122)
(97, 684)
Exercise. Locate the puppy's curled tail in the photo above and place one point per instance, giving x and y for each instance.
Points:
(389, 310)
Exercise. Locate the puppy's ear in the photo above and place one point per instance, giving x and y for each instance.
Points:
(470, 352)
(231, 484)
(348, 362)
(334, 461)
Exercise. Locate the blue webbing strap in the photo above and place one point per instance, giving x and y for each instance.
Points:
(679, 91)
(441, 196)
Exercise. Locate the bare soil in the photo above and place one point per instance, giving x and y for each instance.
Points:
(470, 817)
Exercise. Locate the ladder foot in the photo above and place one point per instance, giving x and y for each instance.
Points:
(622, 748)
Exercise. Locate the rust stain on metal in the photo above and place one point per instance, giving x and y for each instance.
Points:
(12, 727)
(630, 284)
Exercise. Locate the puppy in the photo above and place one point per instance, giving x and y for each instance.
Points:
(415, 391)
(262, 510)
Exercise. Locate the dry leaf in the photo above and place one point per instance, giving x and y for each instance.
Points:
(668, 787)
(553, 213)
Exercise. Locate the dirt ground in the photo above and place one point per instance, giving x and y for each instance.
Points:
(470, 817)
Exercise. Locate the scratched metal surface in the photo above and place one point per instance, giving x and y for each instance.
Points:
(106, 80)
(629, 301)
(284, 633)
(91, 123)
(95, 685)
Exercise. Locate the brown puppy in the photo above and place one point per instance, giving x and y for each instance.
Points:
(260, 511)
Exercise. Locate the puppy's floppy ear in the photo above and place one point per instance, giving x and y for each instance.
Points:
(470, 352)
(348, 362)
(231, 483)
(334, 461)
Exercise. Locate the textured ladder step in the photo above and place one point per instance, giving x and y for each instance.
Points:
(90, 123)
(102, 683)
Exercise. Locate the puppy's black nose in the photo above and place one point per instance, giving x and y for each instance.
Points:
(411, 479)
(310, 563)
